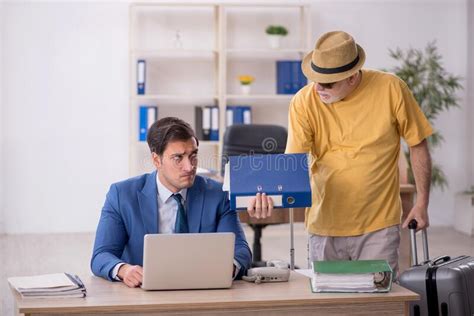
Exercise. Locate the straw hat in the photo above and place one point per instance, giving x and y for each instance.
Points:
(335, 57)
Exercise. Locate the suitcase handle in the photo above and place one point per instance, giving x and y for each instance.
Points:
(414, 253)
(440, 260)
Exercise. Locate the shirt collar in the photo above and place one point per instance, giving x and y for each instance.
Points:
(165, 194)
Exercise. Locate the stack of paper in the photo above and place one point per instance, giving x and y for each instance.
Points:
(58, 285)
(348, 282)
(351, 276)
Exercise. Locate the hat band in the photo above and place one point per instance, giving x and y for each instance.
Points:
(336, 70)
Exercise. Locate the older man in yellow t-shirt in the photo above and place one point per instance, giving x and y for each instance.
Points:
(350, 121)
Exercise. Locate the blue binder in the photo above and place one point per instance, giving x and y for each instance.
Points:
(246, 114)
(290, 77)
(141, 76)
(238, 114)
(147, 116)
(214, 135)
(284, 177)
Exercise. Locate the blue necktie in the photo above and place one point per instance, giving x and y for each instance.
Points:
(181, 225)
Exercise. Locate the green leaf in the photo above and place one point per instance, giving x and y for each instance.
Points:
(276, 30)
(433, 88)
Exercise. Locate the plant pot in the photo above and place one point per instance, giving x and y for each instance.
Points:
(274, 40)
(245, 88)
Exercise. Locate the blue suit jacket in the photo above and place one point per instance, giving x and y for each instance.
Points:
(131, 211)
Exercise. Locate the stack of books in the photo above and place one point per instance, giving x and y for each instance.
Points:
(58, 285)
(351, 276)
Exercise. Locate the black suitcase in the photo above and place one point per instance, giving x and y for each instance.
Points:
(445, 284)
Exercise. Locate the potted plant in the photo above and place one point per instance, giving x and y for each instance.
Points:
(435, 91)
(274, 34)
(245, 83)
(464, 211)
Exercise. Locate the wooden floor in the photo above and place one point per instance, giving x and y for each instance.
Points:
(49, 253)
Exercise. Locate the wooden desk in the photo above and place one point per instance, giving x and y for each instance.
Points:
(242, 299)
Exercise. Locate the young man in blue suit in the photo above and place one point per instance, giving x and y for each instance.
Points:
(173, 199)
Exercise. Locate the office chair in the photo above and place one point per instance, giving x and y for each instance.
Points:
(254, 139)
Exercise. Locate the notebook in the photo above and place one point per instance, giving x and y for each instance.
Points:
(56, 285)
(188, 261)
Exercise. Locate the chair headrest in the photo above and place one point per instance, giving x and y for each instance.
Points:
(254, 138)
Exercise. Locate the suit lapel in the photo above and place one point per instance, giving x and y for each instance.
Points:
(147, 199)
(194, 205)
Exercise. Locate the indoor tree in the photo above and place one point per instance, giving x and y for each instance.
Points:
(433, 88)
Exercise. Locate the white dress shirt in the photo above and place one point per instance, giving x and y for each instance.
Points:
(167, 209)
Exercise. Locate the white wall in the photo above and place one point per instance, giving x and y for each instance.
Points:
(65, 92)
(2, 229)
(470, 91)
(65, 112)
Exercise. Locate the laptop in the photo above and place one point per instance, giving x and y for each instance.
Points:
(188, 261)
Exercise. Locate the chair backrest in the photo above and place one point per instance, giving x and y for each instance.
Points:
(253, 139)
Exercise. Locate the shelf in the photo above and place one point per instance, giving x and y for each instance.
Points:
(285, 97)
(208, 142)
(219, 41)
(175, 97)
(201, 142)
(272, 4)
(174, 53)
(264, 53)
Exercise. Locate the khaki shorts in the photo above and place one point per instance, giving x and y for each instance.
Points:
(381, 244)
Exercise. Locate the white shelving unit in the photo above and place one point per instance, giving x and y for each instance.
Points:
(217, 43)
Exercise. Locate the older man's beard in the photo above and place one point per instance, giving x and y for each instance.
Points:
(332, 99)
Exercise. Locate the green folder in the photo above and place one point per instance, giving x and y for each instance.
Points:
(352, 276)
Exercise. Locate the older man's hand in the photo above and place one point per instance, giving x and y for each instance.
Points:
(261, 206)
(420, 214)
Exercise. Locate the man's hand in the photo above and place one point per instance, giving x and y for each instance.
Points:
(132, 276)
(261, 206)
(420, 214)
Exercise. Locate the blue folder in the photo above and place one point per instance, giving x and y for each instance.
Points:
(214, 134)
(290, 77)
(238, 114)
(284, 177)
(148, 114)
(141, 76)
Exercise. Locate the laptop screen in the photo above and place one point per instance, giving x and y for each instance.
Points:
(188, 261)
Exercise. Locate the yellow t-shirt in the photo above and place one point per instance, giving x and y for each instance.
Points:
(354, 146)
